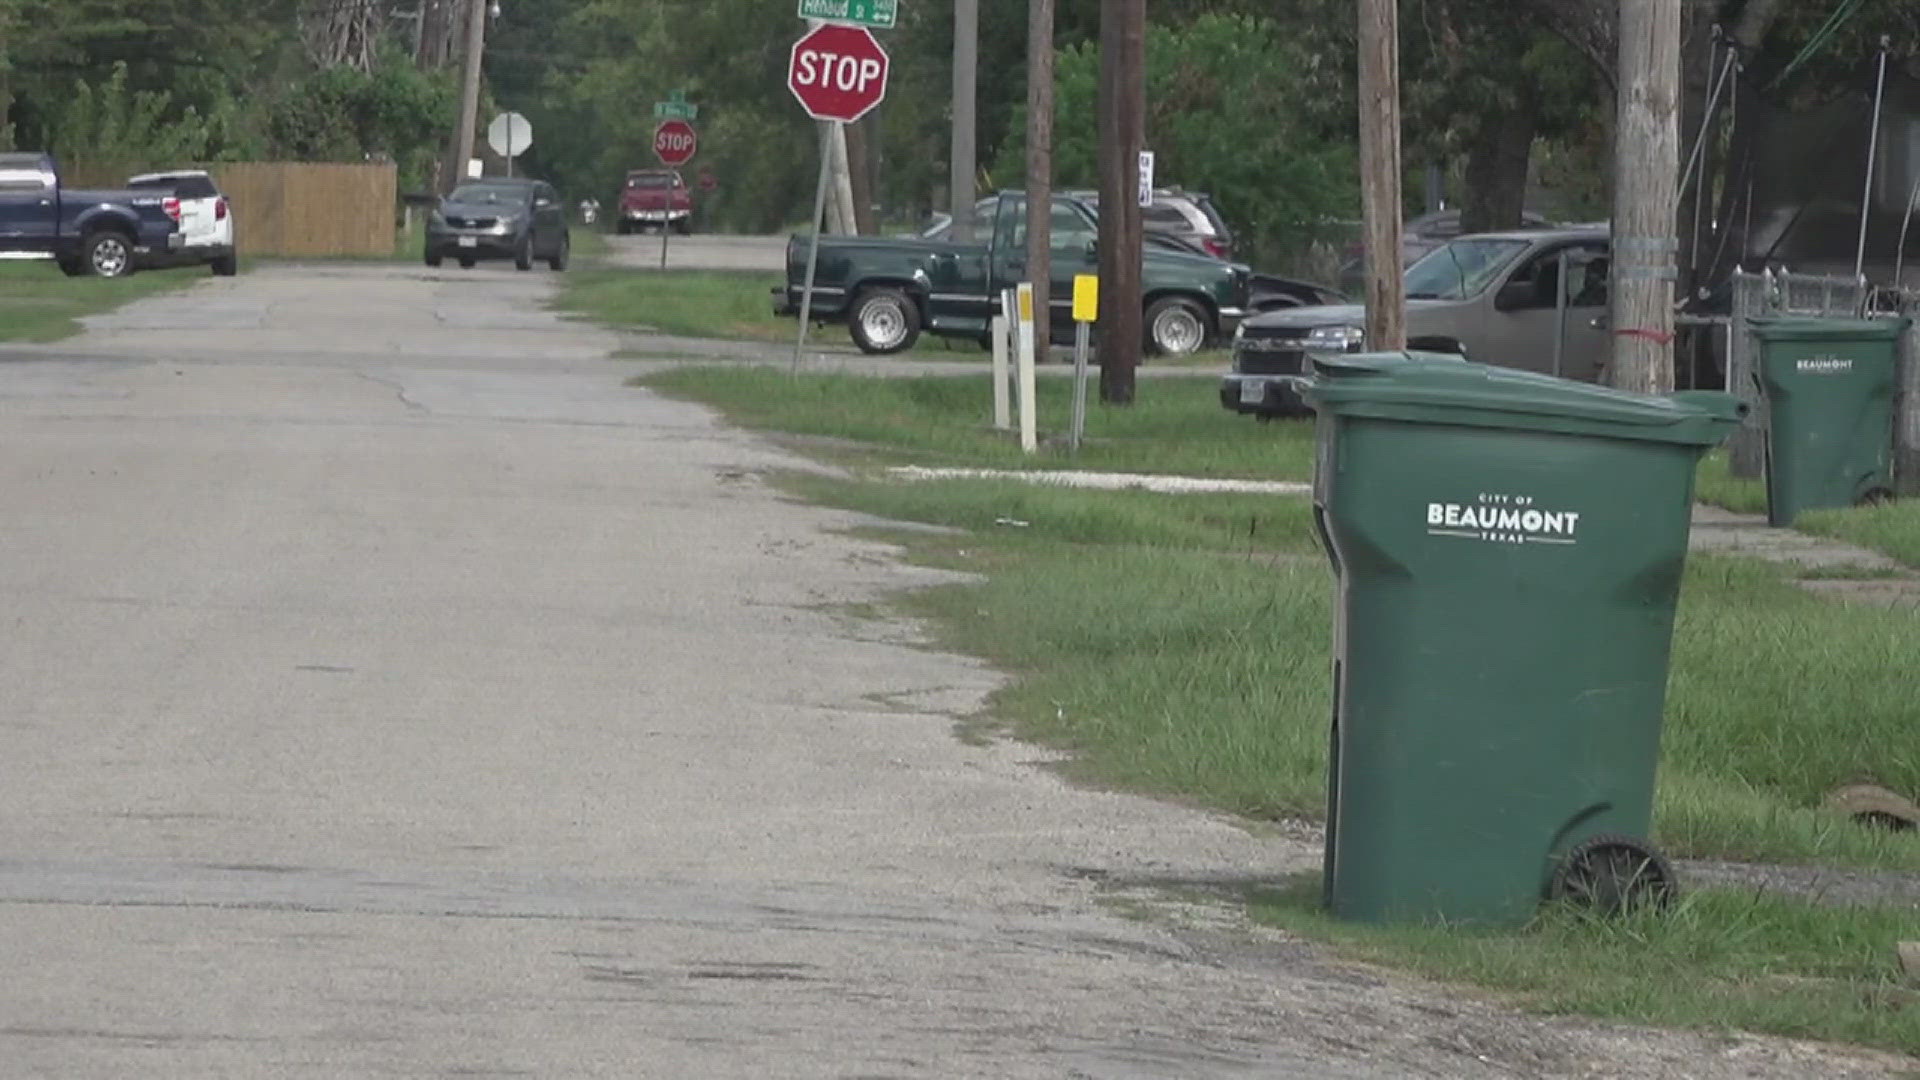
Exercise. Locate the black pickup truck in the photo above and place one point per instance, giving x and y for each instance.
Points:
(101, 233)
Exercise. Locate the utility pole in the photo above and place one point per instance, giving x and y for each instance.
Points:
(1122, 119)
(1645, 158)
(1380, 173)
(469, 93)
(841, 191)
(1040, 170)
(963, 157)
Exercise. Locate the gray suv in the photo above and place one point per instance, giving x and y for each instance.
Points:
(500, 218)
(1530, 300)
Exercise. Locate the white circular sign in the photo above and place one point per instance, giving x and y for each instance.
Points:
(510, 134)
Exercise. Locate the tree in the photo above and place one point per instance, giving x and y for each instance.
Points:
(1228, 112)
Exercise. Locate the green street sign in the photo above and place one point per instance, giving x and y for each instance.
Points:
(676, 108)
(875, 13)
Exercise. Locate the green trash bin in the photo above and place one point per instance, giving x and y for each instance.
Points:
(1508, 549)
(1829, 390)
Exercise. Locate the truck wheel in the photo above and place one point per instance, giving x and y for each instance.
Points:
(620, 227)
(72, 267)
(107, 255)
(684, 226)
(883, 321)
(1175, 327)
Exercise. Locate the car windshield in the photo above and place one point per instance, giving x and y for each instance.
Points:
(1460, 268)
(488, 193)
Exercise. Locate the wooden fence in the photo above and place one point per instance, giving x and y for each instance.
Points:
(307, 209)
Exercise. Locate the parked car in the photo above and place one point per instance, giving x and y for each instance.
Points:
(500, 218)
(890, 289)
(1189, 215)
(655, 197)
(1418, 236)
(102, 233)
(206, 220)
(1495, 298)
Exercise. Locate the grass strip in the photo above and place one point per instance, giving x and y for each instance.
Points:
(39, 303)
(1893, 529)
(1719, 958)
(1175, 426)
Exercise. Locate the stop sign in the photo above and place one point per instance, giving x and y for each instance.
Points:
(838, 72)
(674, 142)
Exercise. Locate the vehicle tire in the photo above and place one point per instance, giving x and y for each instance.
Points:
(523, 255)
(1175, 326)
(883, 321)
(432, 259)
(620, 227)
(684, 226)
(107, 254)
(559, 260)
(72, 267)
(466, 263)
(226, 265)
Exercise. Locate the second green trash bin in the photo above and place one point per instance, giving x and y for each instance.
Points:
(1829, 389)
(1508, 549)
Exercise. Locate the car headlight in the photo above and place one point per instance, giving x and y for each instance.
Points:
(1239, 333)
(1335, 338)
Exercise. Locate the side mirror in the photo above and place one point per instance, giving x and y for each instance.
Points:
(1513, 296)
(1093, 249)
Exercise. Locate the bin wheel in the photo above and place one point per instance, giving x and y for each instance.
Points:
(1609, 874)
(1874, 496)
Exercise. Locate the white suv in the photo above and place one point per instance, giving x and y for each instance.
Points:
(206, 221)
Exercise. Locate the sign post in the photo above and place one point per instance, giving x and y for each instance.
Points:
(510, 135)
(1086, 309)
(674, 142)
(838, 73)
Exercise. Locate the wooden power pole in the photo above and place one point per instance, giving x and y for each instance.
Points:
(963, 158)
(1040, 169)
(469, 94)
(1380, 173)
(1646, 157)
(1122, 132)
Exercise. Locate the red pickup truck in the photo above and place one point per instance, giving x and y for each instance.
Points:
(655, 197)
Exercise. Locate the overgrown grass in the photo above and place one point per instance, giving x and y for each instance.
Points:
(1719, 958)
(39, 303)
(1176, 425)
(1893, 529)
(1715, 483)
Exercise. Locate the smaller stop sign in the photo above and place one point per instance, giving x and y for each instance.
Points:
(838, 72)
(674, 142)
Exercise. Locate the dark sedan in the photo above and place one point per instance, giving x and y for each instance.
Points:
(520, 220)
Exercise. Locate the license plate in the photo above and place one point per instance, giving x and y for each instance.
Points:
(469, 241)
(1252, 392)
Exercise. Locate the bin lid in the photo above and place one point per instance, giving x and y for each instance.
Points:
(1806, 328)
(1442, 389)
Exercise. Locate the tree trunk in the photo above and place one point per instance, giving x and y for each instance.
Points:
(1496, 177)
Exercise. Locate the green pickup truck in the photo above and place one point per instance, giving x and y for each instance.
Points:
(888, 291)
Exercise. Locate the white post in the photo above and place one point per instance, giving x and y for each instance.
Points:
(1029, 437)
(1002, 408)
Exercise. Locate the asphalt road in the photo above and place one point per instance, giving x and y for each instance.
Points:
(389, 691)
